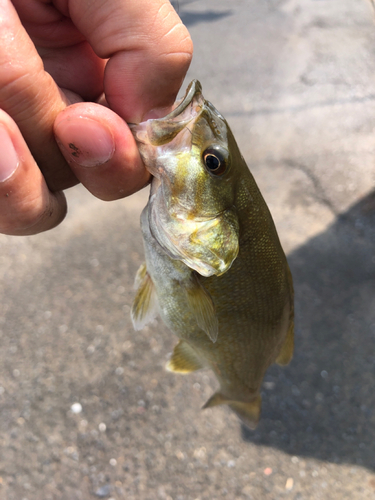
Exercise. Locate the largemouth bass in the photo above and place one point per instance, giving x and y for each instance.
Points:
(215, 270)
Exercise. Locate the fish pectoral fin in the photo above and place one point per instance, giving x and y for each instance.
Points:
(144, 308)
(202, 306)
(248, 413)
(140, 275)
(286, 353)
(184, 359)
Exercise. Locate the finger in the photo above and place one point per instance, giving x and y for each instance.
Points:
(100, 150)
(30, 96)
(149, 48)
(67, 57)
(26, 204)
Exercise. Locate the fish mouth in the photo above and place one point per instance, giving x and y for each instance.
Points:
(160, 131)
(158, 139)
(194, 89)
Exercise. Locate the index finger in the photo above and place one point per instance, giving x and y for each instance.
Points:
(148, 47)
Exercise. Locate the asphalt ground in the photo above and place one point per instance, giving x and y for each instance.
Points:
(87, 410)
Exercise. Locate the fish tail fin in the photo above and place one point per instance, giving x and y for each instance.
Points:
(248, 413)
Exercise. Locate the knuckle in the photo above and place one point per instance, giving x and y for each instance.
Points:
(27, 217)
(174, 37)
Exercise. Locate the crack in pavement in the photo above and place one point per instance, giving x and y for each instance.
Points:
(319, 190)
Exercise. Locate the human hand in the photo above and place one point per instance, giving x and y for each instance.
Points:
(135, 51)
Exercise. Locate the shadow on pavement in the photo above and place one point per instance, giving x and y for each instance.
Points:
(191, 18)
(323, 404)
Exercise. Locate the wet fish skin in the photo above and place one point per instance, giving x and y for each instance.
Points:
(215, 270)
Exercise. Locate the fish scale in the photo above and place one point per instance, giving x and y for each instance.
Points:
(215, 270)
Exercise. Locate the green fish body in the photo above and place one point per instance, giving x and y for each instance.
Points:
(215, 270)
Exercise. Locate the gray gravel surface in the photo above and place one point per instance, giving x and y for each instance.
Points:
(86, 408)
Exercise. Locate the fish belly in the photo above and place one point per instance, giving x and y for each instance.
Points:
(170, 278)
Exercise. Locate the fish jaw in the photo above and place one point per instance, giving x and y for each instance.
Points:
(154, 136)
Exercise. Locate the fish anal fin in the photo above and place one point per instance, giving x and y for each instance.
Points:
(248, 413)
(184, 359)
(286, 353)
(202, 306)
(144, 308)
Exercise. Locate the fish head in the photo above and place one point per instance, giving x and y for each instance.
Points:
(191, 155)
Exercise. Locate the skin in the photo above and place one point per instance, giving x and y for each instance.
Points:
(59, 63)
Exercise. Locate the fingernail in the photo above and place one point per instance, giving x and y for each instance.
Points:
(8, 158)
(84, 141)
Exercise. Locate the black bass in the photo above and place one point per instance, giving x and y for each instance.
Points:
(215, 270)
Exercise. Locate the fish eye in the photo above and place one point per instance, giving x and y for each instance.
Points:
(215, 160)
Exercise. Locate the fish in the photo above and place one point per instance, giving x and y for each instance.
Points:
(214, 267)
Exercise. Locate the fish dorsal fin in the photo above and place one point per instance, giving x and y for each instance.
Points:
(248, 413)
(184, 359)
(202, 306)
(286, 353)
(144, 308)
